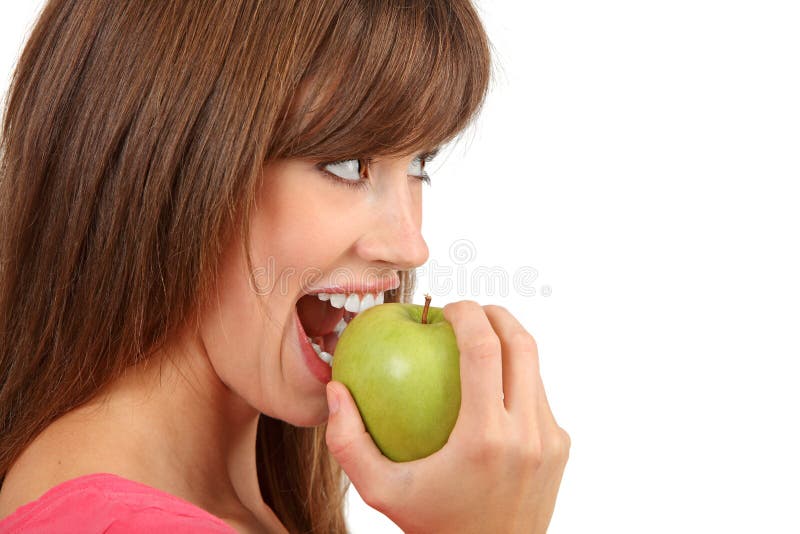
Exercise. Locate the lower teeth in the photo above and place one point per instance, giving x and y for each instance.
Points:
(324, 356)
(340, 327)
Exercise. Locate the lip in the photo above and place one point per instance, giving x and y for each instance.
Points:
(321, 370)
(377, 287)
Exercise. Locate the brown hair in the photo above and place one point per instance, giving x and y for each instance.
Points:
(133, 138)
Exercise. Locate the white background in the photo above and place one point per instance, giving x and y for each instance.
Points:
(643, 158)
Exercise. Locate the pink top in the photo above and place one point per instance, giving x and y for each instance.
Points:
(109, 503)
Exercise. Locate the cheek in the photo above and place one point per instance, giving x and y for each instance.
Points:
(234, 330)
(304, 232)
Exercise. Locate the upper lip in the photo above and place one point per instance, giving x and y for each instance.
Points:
(372, 287)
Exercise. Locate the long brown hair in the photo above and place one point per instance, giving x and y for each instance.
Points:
(133, 138)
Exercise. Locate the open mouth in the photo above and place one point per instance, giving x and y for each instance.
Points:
(324, 317)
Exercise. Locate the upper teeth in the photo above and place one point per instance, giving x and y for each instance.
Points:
(352, 302)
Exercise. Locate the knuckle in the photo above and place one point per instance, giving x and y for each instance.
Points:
(530, 453)
(453, 309)
(524, 341)
(558, 444)
(483, 347)
(565, 442)
(496, 308)
(487, 450)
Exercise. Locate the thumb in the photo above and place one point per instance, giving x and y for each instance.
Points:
(351, 445)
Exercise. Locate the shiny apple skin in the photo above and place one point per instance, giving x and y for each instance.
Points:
(403, 376)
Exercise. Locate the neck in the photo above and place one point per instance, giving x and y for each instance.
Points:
(169, 423)
(191, 433)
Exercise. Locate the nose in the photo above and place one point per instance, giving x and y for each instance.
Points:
(395, 237)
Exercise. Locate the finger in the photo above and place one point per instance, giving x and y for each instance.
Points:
(521, 381)
(353, 448)
(480, 360)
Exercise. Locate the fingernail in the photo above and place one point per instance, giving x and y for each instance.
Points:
(333, 401)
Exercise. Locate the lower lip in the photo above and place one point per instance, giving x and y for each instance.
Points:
(318, 368)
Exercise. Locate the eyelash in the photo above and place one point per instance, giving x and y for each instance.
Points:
(362, 184)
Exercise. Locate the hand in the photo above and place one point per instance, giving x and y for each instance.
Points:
(502, 466)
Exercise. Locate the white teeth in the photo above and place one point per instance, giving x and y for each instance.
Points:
(340, 326)
(337, 300)
(352, 303)
(324, 356)
(367, 302)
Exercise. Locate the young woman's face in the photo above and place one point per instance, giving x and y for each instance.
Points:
(352, 230)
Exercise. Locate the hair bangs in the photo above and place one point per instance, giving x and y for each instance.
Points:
(390, 78)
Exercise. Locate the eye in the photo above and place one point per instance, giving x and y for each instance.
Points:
(350, 170)
(417, 167)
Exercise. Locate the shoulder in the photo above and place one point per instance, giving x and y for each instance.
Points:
(109, 503)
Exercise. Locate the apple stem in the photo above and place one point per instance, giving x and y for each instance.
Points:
(425, 309)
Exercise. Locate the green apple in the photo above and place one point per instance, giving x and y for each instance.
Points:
(400, 363)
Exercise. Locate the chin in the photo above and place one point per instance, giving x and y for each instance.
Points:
(315, 420)
(308, 421)
(310, 413)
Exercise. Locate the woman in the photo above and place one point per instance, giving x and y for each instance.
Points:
(177, 177)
